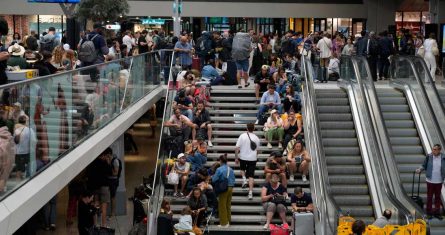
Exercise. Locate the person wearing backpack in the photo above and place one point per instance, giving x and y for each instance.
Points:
(93, 47)
(92, 50)
(49, 41)
(113, 179)
(224, 181)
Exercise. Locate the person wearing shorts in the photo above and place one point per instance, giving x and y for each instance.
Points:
(247, 157)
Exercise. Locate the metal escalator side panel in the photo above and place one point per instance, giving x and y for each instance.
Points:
(324, 203)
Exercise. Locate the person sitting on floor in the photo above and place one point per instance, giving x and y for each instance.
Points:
(276, 164)
(269, 100)
(273, 129)
(262, 80)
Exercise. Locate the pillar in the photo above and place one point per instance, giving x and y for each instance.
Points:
(381, 14)
(121, 194)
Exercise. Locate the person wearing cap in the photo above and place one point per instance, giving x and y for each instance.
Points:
(276, 164)
(270, 100)
(273, 129)
(262, 80)
(182, 168)
(16, 59)
(183, 103)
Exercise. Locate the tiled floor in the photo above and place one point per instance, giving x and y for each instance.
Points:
(136, 166)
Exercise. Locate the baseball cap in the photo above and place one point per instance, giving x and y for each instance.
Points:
(181, 155)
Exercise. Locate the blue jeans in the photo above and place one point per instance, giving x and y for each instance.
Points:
(264, 108)
(216, 81)
(50, 211)
(188, 113)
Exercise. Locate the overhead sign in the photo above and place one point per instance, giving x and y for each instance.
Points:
(113, 26)
(153, 21)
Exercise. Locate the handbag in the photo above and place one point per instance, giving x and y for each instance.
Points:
(173, 177)
(421, 51)
(252, 144)
(223, 185)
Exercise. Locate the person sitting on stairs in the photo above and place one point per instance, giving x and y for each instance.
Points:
(273, 197)
(270, 100)
(298, 160)
(273, 129)
(276, 164)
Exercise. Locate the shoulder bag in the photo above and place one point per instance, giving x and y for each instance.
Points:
(252, 144)
(17, 137)
(223, 185)
(173, 177)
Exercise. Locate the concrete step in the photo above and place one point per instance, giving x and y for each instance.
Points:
(232, 99)
(232, 126)
(235, 105)
(233, 119)
(235, 112)
(234, 134)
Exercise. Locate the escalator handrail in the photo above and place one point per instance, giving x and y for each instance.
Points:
(384, 149)
(157, 184)
(318, 167)
(436, 96)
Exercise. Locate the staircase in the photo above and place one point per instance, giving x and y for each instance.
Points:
(347, 177)
(231, 109)
(406, 143)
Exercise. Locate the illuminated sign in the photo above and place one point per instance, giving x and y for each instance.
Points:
(153, 21)
(113, 26)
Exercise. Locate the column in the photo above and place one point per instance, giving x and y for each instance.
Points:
(381, 13)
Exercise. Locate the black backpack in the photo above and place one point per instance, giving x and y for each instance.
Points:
(162, 43)
(120, 165)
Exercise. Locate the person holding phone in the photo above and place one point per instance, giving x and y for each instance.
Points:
(298, 160)
(273, 197)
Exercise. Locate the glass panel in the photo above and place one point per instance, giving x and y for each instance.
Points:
(63, 110)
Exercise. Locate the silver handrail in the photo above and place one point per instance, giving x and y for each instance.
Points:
(379, 146)
(328, 210)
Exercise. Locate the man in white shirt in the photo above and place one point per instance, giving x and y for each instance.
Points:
(127, 40)
(246, 155)
(434, 166)
(324, 45)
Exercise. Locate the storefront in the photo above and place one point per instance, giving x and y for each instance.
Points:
(346, 26)
(413, 21)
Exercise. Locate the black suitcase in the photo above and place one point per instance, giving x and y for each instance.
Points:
(417, 199)
(231, 73)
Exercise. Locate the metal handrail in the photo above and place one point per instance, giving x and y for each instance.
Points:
(371, 115)
(318, 167)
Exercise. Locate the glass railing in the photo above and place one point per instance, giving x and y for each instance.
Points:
(65, 109)
(327, 209)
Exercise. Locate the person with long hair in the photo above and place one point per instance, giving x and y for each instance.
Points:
(431, 51)
(198, 203)
(291, 100)
(298, 160)
(225, 198)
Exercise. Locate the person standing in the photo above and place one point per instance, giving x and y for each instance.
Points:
(386, 49)
(431, 51)
(86, 212)
(241, 49)
(25, 137)
(324, 45)
(434, 165)
(184, 51)
(246, 155)
(142, 42)
(225, 198)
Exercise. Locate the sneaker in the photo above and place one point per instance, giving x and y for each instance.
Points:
(266, 226)
(269, 146)
(181, 195)
(248, 84)
(223, 226)
(285, 152)
(239, 87)
(256, 122)
(175, 194)
(209, 143)
(291, 178)
(250, 195)
(244, 185)
(280, 145)
(304, 178)
(316, 81)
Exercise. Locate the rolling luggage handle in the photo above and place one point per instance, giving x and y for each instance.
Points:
(418, 185)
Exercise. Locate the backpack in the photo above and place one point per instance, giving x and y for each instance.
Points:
(47, 45)
(87, 50)
(120, 165)
(162, 43)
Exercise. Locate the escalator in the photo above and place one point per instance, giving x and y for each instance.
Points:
(346, 173)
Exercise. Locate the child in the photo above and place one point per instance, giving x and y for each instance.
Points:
(185, 221)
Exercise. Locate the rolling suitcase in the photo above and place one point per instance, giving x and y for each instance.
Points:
(196, 63)
(303, 223)
(417, 199)
(231, 73)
